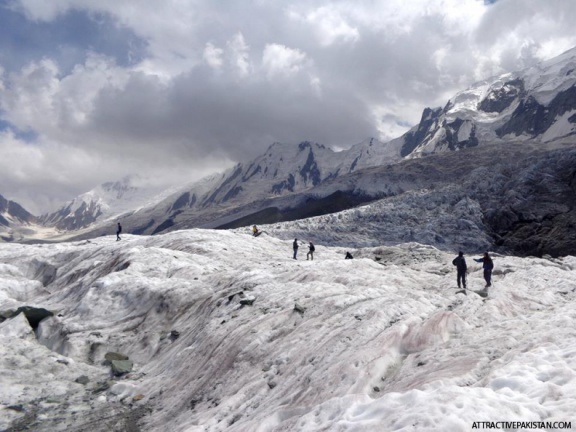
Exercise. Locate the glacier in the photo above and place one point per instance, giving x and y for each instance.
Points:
(228, 333)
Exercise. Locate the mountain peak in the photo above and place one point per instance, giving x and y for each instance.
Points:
(535, 103)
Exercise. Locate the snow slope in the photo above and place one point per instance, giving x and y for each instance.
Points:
(268, 343)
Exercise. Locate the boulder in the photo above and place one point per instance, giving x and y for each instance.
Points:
(83, 379)
(111, 356)
(121, 367)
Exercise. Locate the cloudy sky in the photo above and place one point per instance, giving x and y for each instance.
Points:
(93, 90)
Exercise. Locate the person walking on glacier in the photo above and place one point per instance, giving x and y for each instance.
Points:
(461, 269)
(310, 254)
(295, 247)
(118, 231)
(487, 265)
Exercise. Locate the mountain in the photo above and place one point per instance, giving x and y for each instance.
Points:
(226, 332)
(13, 219)
(490, 129)
(523, 201)
(538, 103)
(283, 171)
(106, 201)
(11, 212)
(288, 182)
(287, 169)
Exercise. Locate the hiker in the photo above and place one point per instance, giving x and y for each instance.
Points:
(461, 268)
(310, 253)
(118, 231)
(487, 265)
(255, 231)
(295, 247)
(348, 256)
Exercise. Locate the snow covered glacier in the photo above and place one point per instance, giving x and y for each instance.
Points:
(227, 332)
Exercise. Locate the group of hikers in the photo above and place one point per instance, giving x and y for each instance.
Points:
(459, 261)
(462, 269)
(311, 249)
(309, 256)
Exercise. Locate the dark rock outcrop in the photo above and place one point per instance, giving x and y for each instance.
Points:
(499, 99)
(533, 119)
(413, 139)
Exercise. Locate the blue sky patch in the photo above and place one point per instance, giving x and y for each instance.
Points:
(67, 40)
(28, 136)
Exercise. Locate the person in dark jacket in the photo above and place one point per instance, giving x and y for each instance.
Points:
(118, 231)
(310, 253)
(348, 256)
(295, 247)
(487, 265)
(461, 268)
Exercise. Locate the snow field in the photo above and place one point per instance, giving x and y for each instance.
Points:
(374, 345)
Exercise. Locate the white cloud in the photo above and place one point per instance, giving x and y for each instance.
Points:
(330, 26)
(41, 99)
(281, 60)
(213, 80)
(239, 55)
(213, 56)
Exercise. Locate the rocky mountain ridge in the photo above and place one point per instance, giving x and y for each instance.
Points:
(538, 103)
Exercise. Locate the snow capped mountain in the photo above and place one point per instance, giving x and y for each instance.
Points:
(522, 202)
(13, 220)
(11, 212)
(102, 203)
(535, 104)
(538, 103)
(221, 331)
(534, 107)
(282, 171)
(285, 169)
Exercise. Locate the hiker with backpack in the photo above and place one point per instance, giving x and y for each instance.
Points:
(310, 253)
(461, 269)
